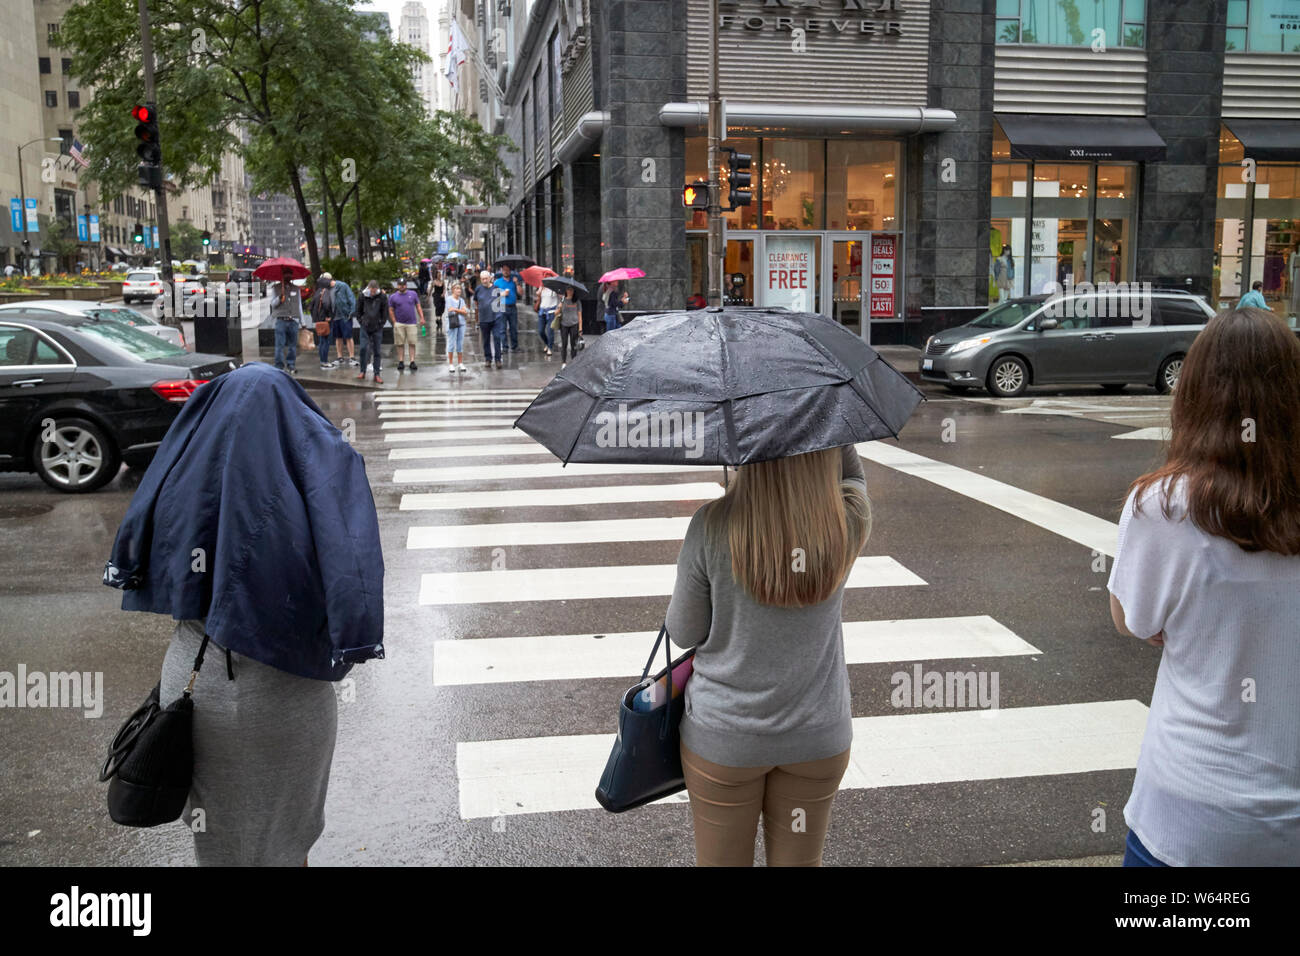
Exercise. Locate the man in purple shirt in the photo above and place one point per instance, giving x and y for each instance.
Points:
(404, 309)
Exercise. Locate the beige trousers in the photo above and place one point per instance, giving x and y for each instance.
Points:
(794, 801)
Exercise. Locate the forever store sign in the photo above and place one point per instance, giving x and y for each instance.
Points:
(862, 18)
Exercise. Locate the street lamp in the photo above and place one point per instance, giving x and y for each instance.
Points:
(22, 191)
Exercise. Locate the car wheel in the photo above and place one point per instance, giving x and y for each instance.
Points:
(1008, 376)
(78, 458)
(1112, 388)
(1167, 375)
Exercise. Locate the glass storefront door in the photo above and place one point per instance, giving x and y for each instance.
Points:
(846, 281)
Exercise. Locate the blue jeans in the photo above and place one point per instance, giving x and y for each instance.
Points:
(286, 343)
(456, 339)
(1135, 854)
(611, 321)
(544, 326)
(371, 344)
(494, 333)
(512, 323)
(323, 346)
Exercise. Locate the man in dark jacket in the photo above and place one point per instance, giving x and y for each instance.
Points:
(372, 313)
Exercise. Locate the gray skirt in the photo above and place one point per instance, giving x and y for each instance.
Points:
(263, 745)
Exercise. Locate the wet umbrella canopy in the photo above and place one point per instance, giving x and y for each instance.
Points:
(719, 386)
(560, 283)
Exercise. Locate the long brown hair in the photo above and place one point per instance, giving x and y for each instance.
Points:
(794, 532)
(1235, 438)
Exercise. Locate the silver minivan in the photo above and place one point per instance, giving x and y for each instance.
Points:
(1101, 339)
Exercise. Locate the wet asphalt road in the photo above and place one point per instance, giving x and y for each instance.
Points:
(394, 789)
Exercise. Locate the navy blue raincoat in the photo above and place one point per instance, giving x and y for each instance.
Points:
(256, 515)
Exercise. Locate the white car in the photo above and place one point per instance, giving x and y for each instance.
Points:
(99, 310)
(142, 285)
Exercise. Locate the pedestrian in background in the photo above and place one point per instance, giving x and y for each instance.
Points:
(612, 298)
(254, 476)
(547, 305)
(491, 324)
(438, 293)
(509, 287)
(1254, 299)
(286, 310)
(768, 724)
(371, 313)
(322, 314)
(1208, 569)
(404, 309)
(570, 326)
(454, 327)
(345, 304)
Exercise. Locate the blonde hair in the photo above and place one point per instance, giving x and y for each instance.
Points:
(793, 529)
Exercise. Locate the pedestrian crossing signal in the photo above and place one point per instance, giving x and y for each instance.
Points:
(695, 194)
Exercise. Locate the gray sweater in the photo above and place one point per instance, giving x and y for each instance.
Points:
(770, 685)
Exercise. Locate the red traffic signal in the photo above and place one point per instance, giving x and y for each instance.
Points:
(143, 114)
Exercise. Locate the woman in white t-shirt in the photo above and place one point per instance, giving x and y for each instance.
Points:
(1208, 568)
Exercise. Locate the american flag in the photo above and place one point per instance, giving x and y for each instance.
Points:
(75, 153)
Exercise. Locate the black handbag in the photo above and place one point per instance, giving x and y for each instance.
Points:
(646, 762)
(150, 763)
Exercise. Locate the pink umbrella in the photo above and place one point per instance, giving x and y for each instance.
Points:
(534, 275)
(618, 275)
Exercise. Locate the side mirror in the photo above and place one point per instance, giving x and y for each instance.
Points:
(1047, 324)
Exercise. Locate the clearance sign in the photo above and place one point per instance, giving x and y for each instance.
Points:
(790, 264)
(884, 255)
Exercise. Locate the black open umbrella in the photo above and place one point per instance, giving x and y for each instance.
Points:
(719, 387)
(560, 283)
(515, 262)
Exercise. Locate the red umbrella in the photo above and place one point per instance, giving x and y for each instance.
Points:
(534, 275)
(275, 270)
(618, 275)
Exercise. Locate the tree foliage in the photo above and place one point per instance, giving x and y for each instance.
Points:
(318, 108)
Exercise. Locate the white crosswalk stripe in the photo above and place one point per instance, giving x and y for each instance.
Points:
(558, 773)
(555, 774)
(616, 581)
(497, 660)
(562, 497)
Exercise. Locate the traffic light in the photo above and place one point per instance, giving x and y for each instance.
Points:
(149, 173)
(137, 234)
(206, 238)
(739, 178)
(695, 194)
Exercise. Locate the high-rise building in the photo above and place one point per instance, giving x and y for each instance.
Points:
(413, 30)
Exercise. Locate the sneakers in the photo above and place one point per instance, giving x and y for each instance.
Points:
(563, 366)
(414, 366)
(451, 370)
(328, 366)
(401, 366)
(461, 367)
(353, 362)
(499, 365)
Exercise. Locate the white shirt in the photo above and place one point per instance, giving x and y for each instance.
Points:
(1218, 777)
(550, 299)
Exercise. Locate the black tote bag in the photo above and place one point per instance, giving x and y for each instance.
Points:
(645, 763)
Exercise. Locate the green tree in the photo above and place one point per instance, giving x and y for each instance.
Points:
(187, 240)
(61, 239)
(321, 103)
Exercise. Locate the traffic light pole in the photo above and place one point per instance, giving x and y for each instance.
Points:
(715, 142)
(160, 190)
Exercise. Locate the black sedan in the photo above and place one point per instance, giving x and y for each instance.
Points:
(79, 396)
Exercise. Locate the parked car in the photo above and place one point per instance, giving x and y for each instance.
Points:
(80, 395)
(99, 310)
(1070, 339)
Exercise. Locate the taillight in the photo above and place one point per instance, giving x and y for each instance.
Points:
(177, 391)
